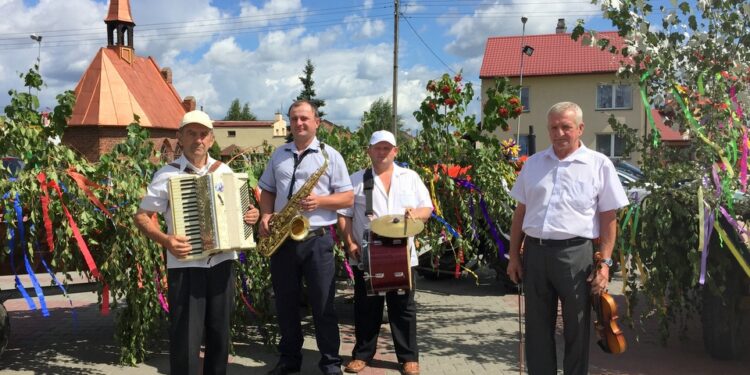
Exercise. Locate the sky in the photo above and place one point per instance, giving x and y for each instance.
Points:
(256, 50)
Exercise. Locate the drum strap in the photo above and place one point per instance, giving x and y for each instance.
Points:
(369, 184)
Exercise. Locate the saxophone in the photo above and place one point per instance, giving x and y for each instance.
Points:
(289, 222)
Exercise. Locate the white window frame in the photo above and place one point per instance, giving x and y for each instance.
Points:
(612, 142)
(613, 92)
(231, 133)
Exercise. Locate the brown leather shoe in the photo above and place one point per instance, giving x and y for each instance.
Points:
(355, 366)
(410, 368)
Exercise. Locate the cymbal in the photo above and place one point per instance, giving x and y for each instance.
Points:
(396, 226)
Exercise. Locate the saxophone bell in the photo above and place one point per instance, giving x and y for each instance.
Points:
(299, 227)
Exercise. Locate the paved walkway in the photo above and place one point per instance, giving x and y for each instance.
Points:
(464, 328)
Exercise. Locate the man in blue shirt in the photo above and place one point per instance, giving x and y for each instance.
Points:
(312, 257)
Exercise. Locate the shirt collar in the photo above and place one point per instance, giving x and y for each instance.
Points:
(398, 170)
(184, 163)
(314, 146)
(582, 154)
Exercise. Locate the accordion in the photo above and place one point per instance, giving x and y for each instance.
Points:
(209, 211)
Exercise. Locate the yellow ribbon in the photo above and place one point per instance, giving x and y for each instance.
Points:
(433, 196)
(732, 248)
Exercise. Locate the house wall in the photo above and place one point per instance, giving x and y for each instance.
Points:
(94, 141)
(252, 136)
(545, 91)
(247, 137)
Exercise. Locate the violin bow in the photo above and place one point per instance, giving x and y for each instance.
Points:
(520, 328)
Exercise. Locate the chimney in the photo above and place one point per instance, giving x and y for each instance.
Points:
(188, 103)
(166, 73)
(561, 29)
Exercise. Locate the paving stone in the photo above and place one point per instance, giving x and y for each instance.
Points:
(463, 328)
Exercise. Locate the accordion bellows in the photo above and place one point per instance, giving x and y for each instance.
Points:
(209, 211)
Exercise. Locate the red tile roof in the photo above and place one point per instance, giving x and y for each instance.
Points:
(111, 91)
(554, 54)
(119, 11)
(667, 133)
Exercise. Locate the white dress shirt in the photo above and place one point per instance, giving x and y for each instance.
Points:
(157, 200)
(407, 191)
(563, 198)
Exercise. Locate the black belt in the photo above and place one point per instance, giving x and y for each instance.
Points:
(575, 241)
(315, 233)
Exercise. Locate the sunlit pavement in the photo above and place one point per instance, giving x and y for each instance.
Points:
(465, 327)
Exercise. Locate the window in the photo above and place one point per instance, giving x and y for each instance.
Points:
(525, 99)
(610, 145)
(231, 133)
(523, 142)
(614, 97)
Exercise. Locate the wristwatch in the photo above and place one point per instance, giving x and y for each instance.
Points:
(608, 262)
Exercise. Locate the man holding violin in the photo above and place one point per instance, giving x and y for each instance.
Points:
(567, 195)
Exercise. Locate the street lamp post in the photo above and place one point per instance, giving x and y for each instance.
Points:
(520, 79)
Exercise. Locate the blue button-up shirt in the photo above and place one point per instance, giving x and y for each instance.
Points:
(277, 177)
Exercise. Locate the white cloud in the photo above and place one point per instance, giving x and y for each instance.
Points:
(216, 56)
(363, 28)
(275, 11)
(470, 33)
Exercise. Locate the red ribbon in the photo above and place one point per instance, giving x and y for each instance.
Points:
(42, 178)
(84, 184)
(84, 250)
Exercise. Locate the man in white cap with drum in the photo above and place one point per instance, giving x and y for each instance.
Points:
(394, 190)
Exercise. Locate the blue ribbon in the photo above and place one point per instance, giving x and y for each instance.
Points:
(30, 270)
(490, 223)
(12, 245)
(708, 230)
(447, 226)
(59, 285)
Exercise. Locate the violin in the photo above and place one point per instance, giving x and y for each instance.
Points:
(611, 338)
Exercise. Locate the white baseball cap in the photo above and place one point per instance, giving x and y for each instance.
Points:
(197, 117)
(382, 136)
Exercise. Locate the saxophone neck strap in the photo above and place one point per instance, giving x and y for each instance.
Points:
(297, 161)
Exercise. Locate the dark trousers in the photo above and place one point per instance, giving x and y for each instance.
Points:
(368, 316)
(200, 305)
(552, 273)
(312, 259)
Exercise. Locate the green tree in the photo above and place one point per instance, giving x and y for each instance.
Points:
(130, 265)
(246, 114)
(308, 89)
(692, 63)
(215, 151)
(481, 187)
(117, 255)
(238, 112)
(380, 117)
